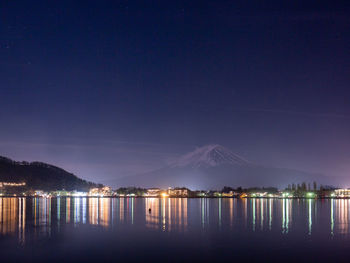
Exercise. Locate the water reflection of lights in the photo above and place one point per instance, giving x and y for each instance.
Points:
(204, 204)
(253, 200)
(105, 211)
(22, 220)
(332, 217)
(152, 212)
(310, 215)
(172, 214)
(68, 210)
(132, 211)
(93, 211)
(342, 215)
(262, 213)
(13, 216)
(166, 213)
(220, 200)
(270, 213)
(121, 208)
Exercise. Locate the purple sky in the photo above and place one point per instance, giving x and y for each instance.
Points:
(113, 88)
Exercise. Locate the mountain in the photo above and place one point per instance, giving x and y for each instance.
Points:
(209, 156)
(214, 166)
(40, 176)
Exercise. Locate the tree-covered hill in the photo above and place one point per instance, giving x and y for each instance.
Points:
(41, 176)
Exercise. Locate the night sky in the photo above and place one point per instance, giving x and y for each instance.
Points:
(107, 89)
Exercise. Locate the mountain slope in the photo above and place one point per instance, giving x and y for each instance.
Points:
(209, 156)
(41, 176)
(214, 166)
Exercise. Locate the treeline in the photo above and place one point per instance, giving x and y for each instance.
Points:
(270, 189)
(304, 186)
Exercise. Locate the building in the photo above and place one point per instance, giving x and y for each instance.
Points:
(11, 184)
(104, 191)
(60, 193)
(230, 194)
(78, 194)
(178, 192)
(152, 192)
(342, 192)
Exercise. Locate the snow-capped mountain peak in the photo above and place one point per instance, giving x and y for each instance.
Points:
(209, 156)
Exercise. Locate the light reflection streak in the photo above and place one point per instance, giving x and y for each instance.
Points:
(121, 209)
(68, 210)
(283, 216)
(286, 215)
(84, 210)
(205, 211)
(152, 216)
(332, 217)
(104, 219)
(58, 200)
(76, 210)
(310, 216)
(220, 200)
(262, 213)
(202, 211)
(132, 210)
(231, 211)
(342, 216)
(169, 214)
(163, 214)
(270, 214)
(22, 220)
(254, 200)
(93, 211)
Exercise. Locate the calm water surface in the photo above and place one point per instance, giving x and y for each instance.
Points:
(176, 230)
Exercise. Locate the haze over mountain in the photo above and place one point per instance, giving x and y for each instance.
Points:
(40, 176)
(214, 166)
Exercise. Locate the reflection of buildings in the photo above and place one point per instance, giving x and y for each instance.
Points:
(341, 220)
(262, 213)
(171, 214)
(13, 216)
(166, 213)
(152, 212)
(8, 215)
(99, 211)
(286, 214)
(104, 211)
(204, 206)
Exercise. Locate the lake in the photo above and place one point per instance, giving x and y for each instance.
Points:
(174, 230)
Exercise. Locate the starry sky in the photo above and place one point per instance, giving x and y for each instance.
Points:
(107, 89)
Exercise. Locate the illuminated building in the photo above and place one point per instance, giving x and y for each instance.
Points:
(342, 192)
(180, 192)
(40, 193)
(60, 193)
(152, 192)
(229, 194)
(3, 184)
(78, 194)
(104, 191)
(258, 194)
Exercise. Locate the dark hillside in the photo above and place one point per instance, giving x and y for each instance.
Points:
(41, 176)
